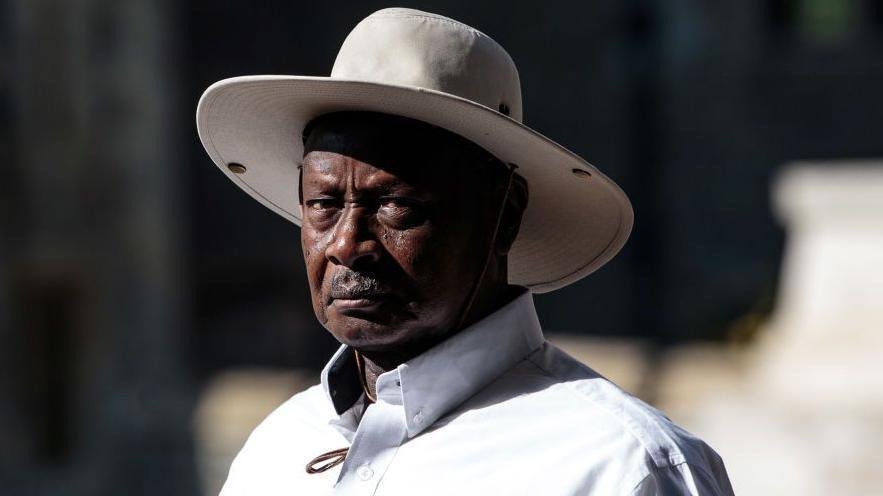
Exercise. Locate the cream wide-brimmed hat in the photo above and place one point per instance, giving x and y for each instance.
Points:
(440, 71)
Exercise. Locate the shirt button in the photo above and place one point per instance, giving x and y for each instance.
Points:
(418, 418)
(364, 472)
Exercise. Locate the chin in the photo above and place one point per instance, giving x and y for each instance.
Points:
(365, 334)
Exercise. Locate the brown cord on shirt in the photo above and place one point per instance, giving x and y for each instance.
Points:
(333, 458)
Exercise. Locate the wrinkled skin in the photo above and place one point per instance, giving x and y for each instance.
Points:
(397, 224)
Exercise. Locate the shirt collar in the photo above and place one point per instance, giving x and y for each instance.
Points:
(433, 383)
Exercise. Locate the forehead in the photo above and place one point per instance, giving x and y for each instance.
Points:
(328, 169)
(388, 148)
(384, 172)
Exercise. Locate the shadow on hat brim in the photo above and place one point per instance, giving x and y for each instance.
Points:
(575, 222)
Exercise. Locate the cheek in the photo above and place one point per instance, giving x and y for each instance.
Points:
(314, 261)
(408, 248)
(306, 249)
(433, 259)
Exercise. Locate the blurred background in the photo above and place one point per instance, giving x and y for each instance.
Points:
(151, 313)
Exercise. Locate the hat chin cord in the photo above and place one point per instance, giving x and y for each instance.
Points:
(331, 459)
(490, 252)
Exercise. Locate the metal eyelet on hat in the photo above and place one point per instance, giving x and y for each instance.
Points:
(582, 174)
(236, 168)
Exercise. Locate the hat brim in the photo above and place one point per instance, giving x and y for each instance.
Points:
(574, 223)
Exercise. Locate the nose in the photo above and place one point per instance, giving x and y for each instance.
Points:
(351, 243)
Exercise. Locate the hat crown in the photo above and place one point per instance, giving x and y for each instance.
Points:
(408, 47)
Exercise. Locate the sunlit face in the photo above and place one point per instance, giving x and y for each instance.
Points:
(395, 228)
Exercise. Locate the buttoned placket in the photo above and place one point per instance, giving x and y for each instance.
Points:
(381, 431)
(410, 399)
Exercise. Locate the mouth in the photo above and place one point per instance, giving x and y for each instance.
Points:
(358, 294)
(359, 302)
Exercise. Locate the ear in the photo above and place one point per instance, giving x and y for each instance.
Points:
(516, 203)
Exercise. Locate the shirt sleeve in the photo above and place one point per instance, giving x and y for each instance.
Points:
(684, 479)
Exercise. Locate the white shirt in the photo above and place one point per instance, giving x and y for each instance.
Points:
(495, 409)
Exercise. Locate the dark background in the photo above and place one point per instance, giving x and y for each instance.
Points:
(132, 271)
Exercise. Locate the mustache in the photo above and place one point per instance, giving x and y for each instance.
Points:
(349, 284)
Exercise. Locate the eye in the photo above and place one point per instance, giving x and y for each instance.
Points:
(321, 212)
(395, 202)
(320, 204)
(401, 213)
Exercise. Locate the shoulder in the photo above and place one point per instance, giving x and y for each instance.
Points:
(286, 439)
(308, 409)
(598, 414)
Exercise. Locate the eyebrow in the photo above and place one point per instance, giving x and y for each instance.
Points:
(388, 185)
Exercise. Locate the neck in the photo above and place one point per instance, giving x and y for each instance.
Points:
(375, 363)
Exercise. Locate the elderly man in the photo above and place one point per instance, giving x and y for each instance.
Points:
(428, 215)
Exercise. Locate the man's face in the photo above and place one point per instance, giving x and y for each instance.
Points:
(395, 230)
